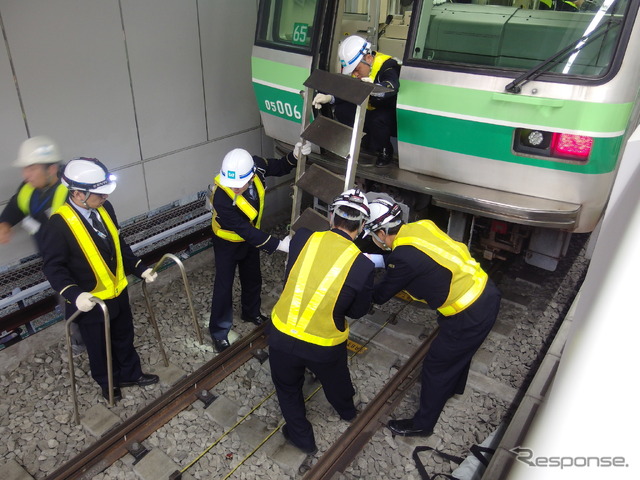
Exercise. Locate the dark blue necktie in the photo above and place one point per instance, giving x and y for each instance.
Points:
(97, 224)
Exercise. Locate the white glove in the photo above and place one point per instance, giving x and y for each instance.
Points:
(84, 302)
(376, 258)
(305, 148)
(320, 99)
(283, 246)
(149, 275)
(366, 79)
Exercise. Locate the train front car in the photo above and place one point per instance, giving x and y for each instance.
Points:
(529, 105)
(511, 117)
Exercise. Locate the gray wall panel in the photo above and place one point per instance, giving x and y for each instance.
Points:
(13, 129)
(164, 53)
(139, 99)
(71, 68)
(227, 30)
(198, 167)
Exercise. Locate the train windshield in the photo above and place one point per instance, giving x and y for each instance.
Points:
(287, 24)
(572, 38)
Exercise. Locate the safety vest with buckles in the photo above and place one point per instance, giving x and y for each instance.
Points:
(26, 192)
(467, 277)
(108, 285)
(305, 308)
(378, 60)
(255, 216)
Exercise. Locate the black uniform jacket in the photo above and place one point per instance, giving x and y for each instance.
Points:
(39, 205)
(388, 76)
(354, 301)
(410, 269)
(230, 217)
(66, 267)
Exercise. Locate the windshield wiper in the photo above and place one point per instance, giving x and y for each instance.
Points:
(516, 85)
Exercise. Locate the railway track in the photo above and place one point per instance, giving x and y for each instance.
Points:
(237, 436)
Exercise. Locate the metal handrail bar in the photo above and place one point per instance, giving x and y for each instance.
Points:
(187, 289)
(72, 372)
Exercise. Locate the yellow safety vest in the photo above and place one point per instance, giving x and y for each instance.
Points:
(26, 191)
(255, 217)
(378, 60)
(467, 277)
(108, 285)
(305, 308)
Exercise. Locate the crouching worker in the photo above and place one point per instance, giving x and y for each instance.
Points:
(84, 256)
(327, 279)
(434, 269)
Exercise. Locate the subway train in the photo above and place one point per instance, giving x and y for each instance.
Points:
(511, 119)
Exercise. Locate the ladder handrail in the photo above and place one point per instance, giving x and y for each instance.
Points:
(345, 88)
(187, 288)
(72, 372)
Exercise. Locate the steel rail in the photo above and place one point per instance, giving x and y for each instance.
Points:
(113, 445)
(342, 453)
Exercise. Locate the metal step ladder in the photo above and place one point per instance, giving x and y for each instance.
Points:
(330, 135)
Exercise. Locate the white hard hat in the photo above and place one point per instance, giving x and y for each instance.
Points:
(89, 175)
(384, 215)
(38, 150)
(353, 199)
(351, 52)
(237, 168)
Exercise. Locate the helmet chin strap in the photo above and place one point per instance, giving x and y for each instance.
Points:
(87, 194)
(379, 242)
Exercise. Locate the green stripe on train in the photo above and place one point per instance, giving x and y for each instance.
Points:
(493, 141)
(278, 102)
(519, 109)
(279, 73)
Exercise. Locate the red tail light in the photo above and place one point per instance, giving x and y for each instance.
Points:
(571, 146)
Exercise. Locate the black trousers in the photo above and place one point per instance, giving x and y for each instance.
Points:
(379, 124)
(125, 359)
(287, 372)
(446, 367)
(229, 256)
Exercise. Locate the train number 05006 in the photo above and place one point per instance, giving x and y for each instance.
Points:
(283, 108)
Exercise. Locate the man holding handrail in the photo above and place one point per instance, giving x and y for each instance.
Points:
(84, 257)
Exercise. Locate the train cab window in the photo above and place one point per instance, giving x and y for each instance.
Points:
(287, 24)
(522, 35)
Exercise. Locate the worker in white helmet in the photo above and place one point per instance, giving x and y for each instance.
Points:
(84, 257)
(41, 191)
(358, 60)
(327, 279)
(237, 208)
(436, 270)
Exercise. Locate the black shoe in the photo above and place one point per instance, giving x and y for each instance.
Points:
(385, 156)
(257, 320)
(308, 451)
(406, 429)
(117, 394)
(221, 345)
(351, 419)
(144, 380)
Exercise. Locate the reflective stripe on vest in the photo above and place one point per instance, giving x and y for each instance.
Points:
(107, 285)
(244, 206)
(305, 308)
(26, 192)
(378, 60)
(467, 277)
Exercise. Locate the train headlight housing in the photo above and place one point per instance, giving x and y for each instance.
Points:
(562, 146)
